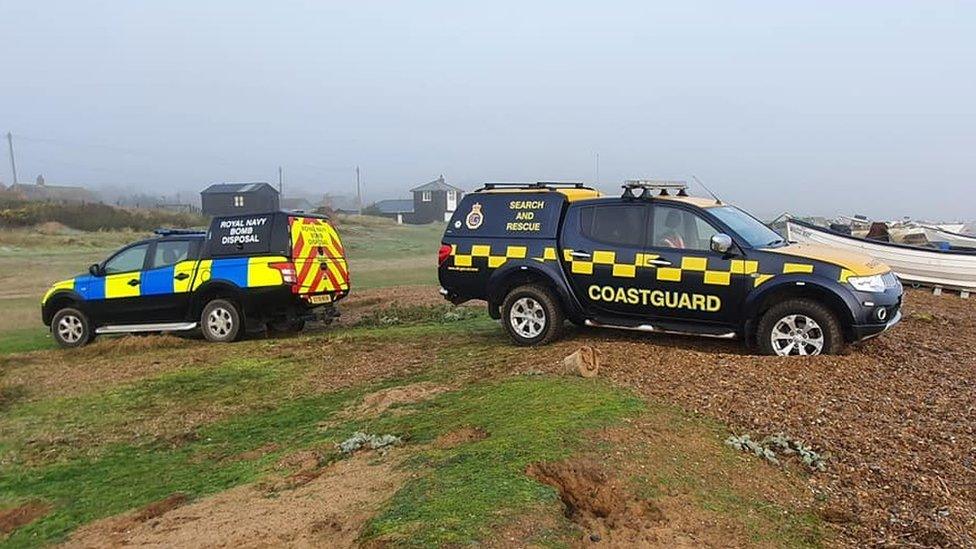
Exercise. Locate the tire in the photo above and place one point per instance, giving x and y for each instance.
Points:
(71, 328)
(221, 321)
(532, 315)
(802, 327)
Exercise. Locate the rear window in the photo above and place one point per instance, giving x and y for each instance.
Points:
(619, 225)
(508, 215)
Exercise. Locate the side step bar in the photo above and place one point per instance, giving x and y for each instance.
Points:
(650, 328)
(159, 327)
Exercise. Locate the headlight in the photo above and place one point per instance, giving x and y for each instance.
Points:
(873, 283)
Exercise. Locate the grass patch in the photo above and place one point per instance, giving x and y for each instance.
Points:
(473, 487)
(418, 314)
(26, 339)
(71, 427)
(129, 475)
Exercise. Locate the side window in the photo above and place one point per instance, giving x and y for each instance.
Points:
(130, 259)
(681, 229)
(621, 225)
(170, 252)
(425, 196)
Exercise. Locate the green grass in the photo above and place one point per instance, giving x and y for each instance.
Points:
(129, 475)
(25, 339)
(473, 487)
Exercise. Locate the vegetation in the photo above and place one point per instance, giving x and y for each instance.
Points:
(91, 217)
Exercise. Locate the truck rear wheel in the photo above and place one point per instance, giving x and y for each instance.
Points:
(532, 315)
(799, 327)
(221, 321)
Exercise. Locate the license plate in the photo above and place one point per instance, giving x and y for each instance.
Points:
(318, 299)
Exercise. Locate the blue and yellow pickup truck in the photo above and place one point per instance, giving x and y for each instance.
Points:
(278, 269)
(656, 260)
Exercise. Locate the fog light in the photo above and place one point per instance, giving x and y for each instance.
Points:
(881, 313)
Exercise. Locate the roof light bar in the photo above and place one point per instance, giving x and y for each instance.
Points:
(649, 185)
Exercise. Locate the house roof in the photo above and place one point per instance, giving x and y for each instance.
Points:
(394, 206)
(436, 185)
(237, 188)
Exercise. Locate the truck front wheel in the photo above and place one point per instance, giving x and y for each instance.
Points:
(799, 327)
(532, 315)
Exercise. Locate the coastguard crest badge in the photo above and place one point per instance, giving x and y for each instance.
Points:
(475, 218)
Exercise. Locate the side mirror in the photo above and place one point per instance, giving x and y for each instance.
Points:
(95, 269)
(721, 243)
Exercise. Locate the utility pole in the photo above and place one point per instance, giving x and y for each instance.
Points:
(359, 192)
(13, 165)
(597, 169)
(279, 180)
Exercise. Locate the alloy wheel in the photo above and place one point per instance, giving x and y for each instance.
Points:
(797, 335)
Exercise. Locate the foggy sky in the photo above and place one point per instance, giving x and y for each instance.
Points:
(811, 107)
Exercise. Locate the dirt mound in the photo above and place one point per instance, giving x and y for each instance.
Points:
(330, 510)
(22, 515)
(376, 403)
(362, 302)
(461, 436)
(53, 228)
(596, 501)
(113, 531)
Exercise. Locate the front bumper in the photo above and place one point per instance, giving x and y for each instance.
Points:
(867, 331)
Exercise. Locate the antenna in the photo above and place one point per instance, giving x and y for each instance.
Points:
(709, 191)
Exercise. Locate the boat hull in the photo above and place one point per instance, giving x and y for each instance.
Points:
(928, 267)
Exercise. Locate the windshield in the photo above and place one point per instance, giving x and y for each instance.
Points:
(748, 228)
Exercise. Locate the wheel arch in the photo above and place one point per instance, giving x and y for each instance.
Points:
(59, 300)
(215, 289)
(821, 291)
(504, 280)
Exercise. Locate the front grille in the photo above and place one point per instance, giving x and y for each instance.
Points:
(890, 280)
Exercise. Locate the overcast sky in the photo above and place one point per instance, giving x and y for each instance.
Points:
(811, 107)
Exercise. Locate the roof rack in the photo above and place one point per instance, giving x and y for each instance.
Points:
(536, 185)
(649, 185)
(171, 232)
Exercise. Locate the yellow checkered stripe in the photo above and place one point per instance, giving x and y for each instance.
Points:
(666, 273)
(484, 250)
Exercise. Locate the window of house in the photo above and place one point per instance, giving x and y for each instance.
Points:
(450, 195)
(682, 229)
(619, 225)
(425, 196)
(128, 260)
(239, 201)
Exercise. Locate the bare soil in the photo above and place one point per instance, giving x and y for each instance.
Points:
(376, 403)
(15, 517)
(328, 510)
(461, 436)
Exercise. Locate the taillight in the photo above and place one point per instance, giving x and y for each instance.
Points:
(287, 270)
(443, 253)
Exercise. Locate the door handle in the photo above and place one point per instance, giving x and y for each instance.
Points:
(661, 262)
(182, 276)
(134, 282)
(581, 255)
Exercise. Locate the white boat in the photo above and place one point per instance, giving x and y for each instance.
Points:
(938, 234)
(951, 269)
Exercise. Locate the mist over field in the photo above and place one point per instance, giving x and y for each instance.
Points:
(816, 108)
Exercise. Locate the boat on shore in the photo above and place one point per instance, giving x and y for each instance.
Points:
(955, 239)
(951, 269)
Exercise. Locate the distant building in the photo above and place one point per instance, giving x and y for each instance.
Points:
(434, 201)
(238, 198)
(400, 210)
(51, 193)
(297, 205)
